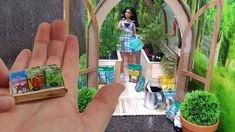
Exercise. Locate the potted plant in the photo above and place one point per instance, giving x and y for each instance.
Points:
(200, 111)
(153, 35)
(153, 30)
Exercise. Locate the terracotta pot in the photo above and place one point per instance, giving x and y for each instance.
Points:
(190, 127)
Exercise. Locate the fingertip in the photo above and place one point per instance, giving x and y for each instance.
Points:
(43, 33)
(72, 41)
(44, 25)
(58, 22)
(26, 52)
(6, 103)
(58, 30)
(4, 72)
(21, 61)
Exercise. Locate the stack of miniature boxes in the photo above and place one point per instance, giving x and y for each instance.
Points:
(35, 79)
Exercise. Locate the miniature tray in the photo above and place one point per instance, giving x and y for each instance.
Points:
(37, 83)
(42, 94)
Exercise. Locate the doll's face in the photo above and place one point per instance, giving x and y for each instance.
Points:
(128, 13)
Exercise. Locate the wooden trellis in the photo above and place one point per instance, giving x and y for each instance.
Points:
(184, 69)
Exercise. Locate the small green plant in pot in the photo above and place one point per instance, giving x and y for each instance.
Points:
(200, 111)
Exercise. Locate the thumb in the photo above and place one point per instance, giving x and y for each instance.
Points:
(7, 102)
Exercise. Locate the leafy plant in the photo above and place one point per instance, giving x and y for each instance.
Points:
(154, 32)
(109, 35)
(85, 96)
(82, 81)
(201, 108)
(83, 62)
(169, 64)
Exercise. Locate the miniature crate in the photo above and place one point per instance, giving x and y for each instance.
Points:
(42, 92)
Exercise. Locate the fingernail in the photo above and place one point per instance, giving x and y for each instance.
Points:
(6, 103)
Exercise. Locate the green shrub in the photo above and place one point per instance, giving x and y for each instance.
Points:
(201, 108)
(85, 96)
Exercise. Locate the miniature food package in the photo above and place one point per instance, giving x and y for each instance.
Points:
(18, 82)
(102, 75)
(140, 84)
(109, 74)
(134, 72)
(53, 76)
(35, 78)
(106, 74)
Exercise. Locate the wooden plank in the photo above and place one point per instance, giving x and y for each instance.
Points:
(93, 46)
(41, 94)
(88, 70)
(117, 71)
(66, 14)
(107, 62)
(195, 76)
(213, 44)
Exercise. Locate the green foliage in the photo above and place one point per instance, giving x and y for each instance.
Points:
(153, 29)
(109, 35)
(169, 64)
(154, 34)
(227, 27)
(82, 81)
(222, 84)
(201, 108)
(85, 96)
(83, 62)
(199, 68)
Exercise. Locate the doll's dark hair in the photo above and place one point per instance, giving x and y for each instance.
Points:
(133, 17)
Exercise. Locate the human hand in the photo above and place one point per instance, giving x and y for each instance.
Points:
(6, 100)
(52, 46)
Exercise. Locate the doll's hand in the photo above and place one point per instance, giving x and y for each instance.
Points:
(126, 30)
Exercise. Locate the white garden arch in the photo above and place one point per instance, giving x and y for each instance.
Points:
(105, 6)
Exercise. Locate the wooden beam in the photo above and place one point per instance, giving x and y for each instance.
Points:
(66, 14)
(93, 46)
(213, 44)
(195, 76)
(88, 70)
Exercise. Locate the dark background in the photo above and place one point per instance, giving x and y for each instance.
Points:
(19, 20)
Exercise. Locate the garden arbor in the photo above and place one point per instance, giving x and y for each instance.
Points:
(185, 53)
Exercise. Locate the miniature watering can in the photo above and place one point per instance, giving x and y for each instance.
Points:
(153, 96)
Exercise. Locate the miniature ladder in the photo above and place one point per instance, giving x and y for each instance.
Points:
(184, 68)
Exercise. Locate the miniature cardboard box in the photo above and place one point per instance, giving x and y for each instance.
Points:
(37, 83)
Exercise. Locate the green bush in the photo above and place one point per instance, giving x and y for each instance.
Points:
(201, 108)
(85, 96)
